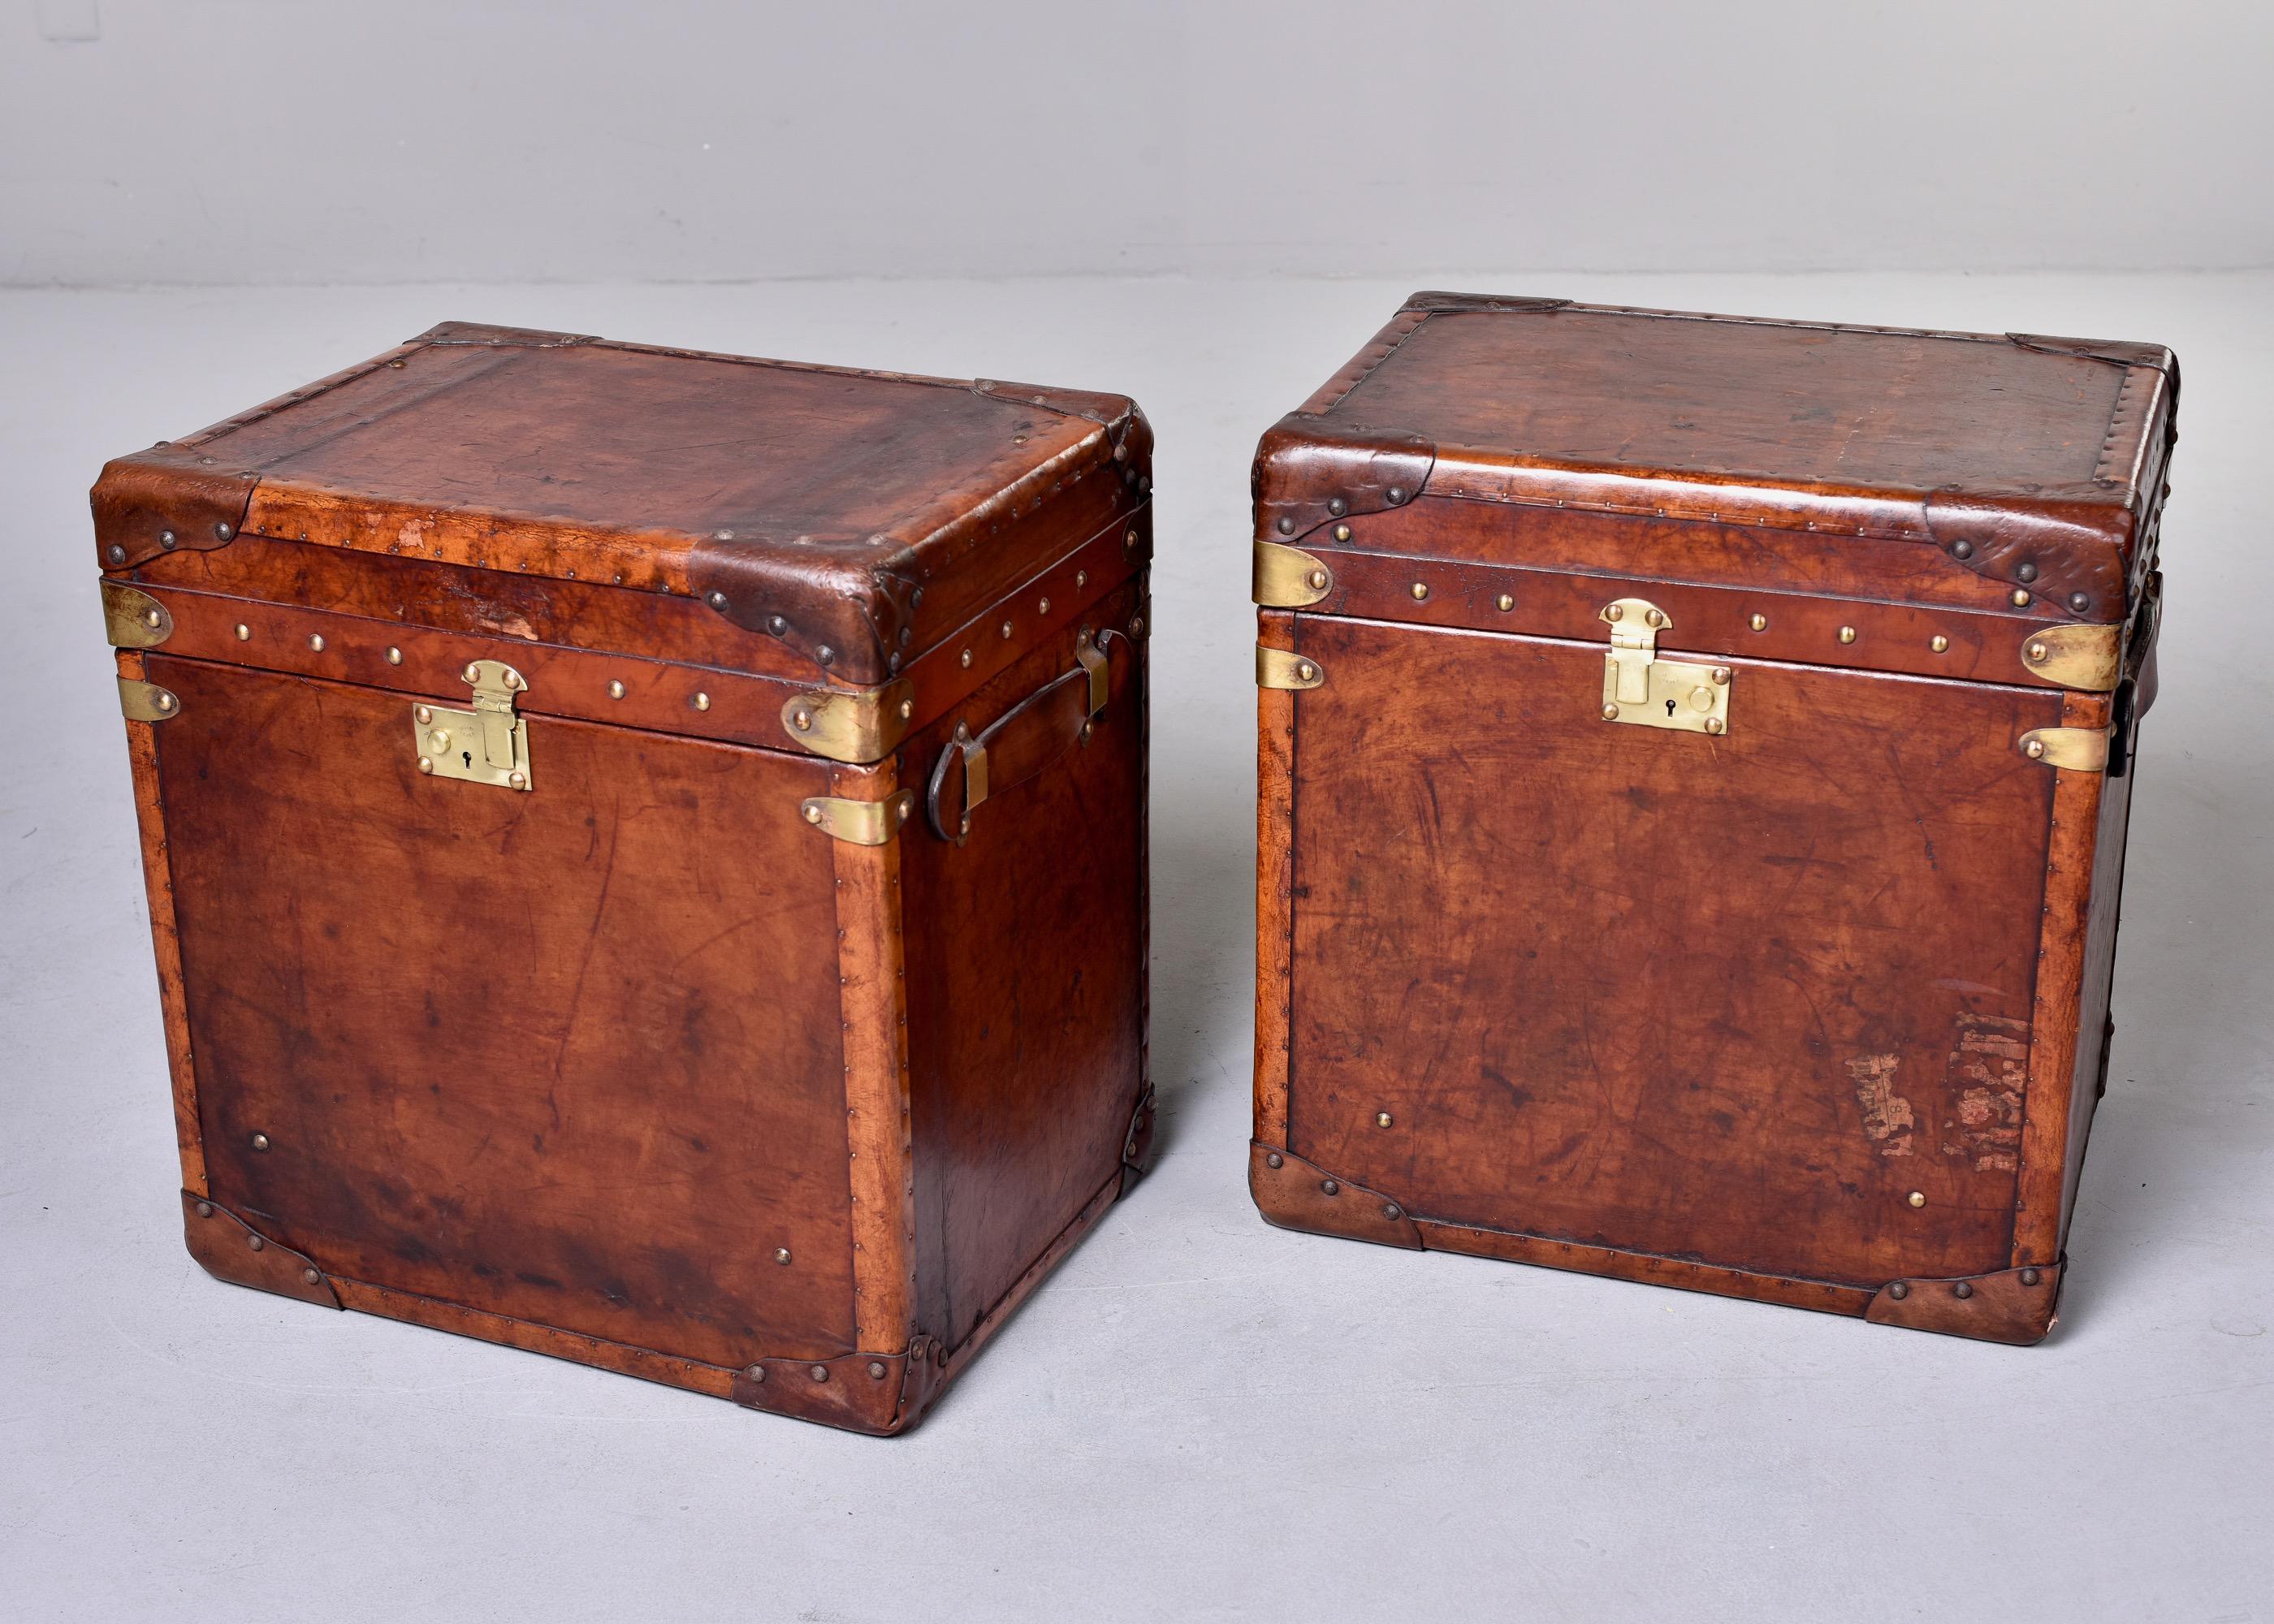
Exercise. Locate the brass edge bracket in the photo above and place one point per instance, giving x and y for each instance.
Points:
(133, 618)
(858, 725)
(488, 744)
(858, 823)
(2087, 658)
(1288, 577)
(2082, 749)
(1645, 691)
(147, 702)
(1277, 668)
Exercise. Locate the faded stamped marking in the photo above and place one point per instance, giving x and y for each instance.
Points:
(1989, 1066)
(1888, 1117)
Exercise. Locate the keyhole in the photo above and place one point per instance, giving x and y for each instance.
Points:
(1670, 707)
(467, 756)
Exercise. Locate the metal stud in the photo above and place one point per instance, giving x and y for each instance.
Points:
(312, 1276)
(1390, 1211)
(702, 701)
(1899, 1290)
(243, 632)
(426, 763)
(1338, 506)
(1720, 676)
(1275, 1159)
(1610, 713)
(1961, 1290)
(1342, 532)
(118, 554)
(167, 540)
(819, 1373)
(801, 719)
(1916, 1198)
(615, 690)
(1394, 495)
(518, 780)
(1042, 606)
(394, 657)
(1420, 591)
(1654, 617)
(471, 673)
(813, 815)
(1961, 549)
(755, 1375)
(256, 1242)
(2030, 1277)
(1759, 623)
(1306, 670)
(2080, 601)
(1715, 726)
(425, 713)
(1081, 579)
(2026, 572)
(777, 625)
(781, 1254)
(825, 654)
(1317, 580)
(1286, 525)
(1939, 643)
(2037, 651)
(1382, 1119)
(1006, 628)
(259, 1141)
(205, 1209)
(877, 1370)
(224, 530)
(1129, 541)
(1847, 633)
(966, 659)
(2020, 598)
(1505, 601)
(716, 600)
(2034, 749)
(1327, 1186)
(316, 643)
(1614, 612)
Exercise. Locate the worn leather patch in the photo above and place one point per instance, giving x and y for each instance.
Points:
(228, 1248)
(168, 498)
(1296, 1195)
(2015, 1305)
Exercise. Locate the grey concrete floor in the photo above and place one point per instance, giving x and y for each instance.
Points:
(1198, 1418)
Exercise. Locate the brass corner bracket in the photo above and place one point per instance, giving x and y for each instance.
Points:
(133, 618)
(1278, 668)
(1288, 577)
(858, 823)
(147, 702)
(2082, 750)
(2087, 658)
(855, 725)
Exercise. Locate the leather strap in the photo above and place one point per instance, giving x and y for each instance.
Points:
(1025, 739)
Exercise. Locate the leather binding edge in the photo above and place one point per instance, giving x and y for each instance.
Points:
(1473, 304)
(1295, 1194)
(228, 1248)
(2017, 1306)
(1137, 1144)
(879, 1394)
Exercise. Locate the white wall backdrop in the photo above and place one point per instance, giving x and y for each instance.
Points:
(320, 140)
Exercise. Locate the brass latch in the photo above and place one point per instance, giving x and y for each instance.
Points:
(1645, 691)
(488, 744)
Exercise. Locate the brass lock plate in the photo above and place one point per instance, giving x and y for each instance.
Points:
(1642, 691)
(487, 744)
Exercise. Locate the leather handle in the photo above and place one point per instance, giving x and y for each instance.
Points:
(1025, 739)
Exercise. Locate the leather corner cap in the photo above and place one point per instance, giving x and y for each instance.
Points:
(228, 1249)
(880, 1393)
(1309, 472)
(842, 601)
(1475, 303)
(169, 497)
(2115, 354)
(2066, 545)
(2015, 1307)
(1296, 1195)
(499, 338)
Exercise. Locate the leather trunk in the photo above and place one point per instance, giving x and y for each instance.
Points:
(1694, 760)
(646, 849)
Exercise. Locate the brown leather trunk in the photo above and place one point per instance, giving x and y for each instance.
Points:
(560, 938)
(1694, 755)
